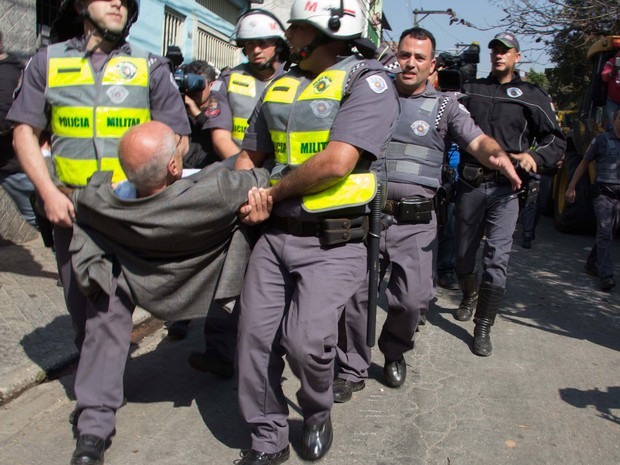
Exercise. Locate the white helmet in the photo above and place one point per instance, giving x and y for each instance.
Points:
(258, 25)
(339, 19)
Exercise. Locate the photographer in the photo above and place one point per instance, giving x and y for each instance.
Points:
(201, 151)
(612, 78)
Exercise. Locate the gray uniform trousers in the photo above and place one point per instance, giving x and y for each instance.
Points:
(293, 295)
(102, 327)
(412, 251)
(607, 211)
(492, 210)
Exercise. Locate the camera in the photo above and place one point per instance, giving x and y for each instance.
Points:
(458, 69)
(186, 82)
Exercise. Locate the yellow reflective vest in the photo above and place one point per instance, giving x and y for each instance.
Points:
(91, 111)
(299, 122)
(244, 90)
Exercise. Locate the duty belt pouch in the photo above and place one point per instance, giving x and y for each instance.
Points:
(441, 201)
(531, 193)
(415, 210)
(335, 231)
(472, 174)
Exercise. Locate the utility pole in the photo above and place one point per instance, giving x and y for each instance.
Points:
(416, 12)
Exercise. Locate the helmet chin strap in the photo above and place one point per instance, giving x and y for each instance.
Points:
(106, 34)
(264, 66)
(320, 39)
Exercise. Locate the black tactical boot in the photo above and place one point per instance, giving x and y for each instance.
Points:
(469, 285)
(489, 300)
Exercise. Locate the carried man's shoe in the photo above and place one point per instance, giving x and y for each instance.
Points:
(344, 389)
(254, 457)
(395, 373)
(608, 283)
(316, 440)
(88, 451)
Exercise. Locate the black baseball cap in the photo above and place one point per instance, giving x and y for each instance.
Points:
(507, 39)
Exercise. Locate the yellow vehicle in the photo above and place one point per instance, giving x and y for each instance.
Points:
(581, 127)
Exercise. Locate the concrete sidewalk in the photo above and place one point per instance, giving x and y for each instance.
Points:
(549, 394)
(36, 336)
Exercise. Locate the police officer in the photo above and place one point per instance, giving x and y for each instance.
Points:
(322, 125)
(234, 95)
(520, 116)
(428, 122)
(605, 150)
(89, 90)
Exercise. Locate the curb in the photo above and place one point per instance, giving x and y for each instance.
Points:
(30, 373)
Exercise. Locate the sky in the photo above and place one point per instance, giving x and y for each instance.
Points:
(481, 13)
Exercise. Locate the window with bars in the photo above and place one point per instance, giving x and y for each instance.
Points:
(173, 29)
(212, 47)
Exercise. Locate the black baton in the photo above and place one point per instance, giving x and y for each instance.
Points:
(374, 232)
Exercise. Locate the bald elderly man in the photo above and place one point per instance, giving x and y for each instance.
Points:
(164, 247)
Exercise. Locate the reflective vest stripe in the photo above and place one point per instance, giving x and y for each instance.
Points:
(304, 145)
(69, 71)
(353, 191)
(73, 122)
(74, 170)
(126, 71)
(244, 91)
(77, 122)
(242, 84)
(240, 125)
(114, 122)
(282, 92)
(329, 85)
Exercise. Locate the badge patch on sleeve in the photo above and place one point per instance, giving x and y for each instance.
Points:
(213, 108)
(377, 84)
(514, 92)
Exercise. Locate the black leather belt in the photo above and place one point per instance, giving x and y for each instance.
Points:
(611, 194)
(296, 227)
(495, 176)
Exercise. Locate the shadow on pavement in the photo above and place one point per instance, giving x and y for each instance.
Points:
(48, 345)
(19, 260)
(603, 402)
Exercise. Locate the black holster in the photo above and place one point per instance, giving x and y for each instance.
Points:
(442, 198)
(472, 174)
(530, 190)
(415, 210)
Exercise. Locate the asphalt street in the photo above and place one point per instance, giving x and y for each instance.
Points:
(549, 394)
